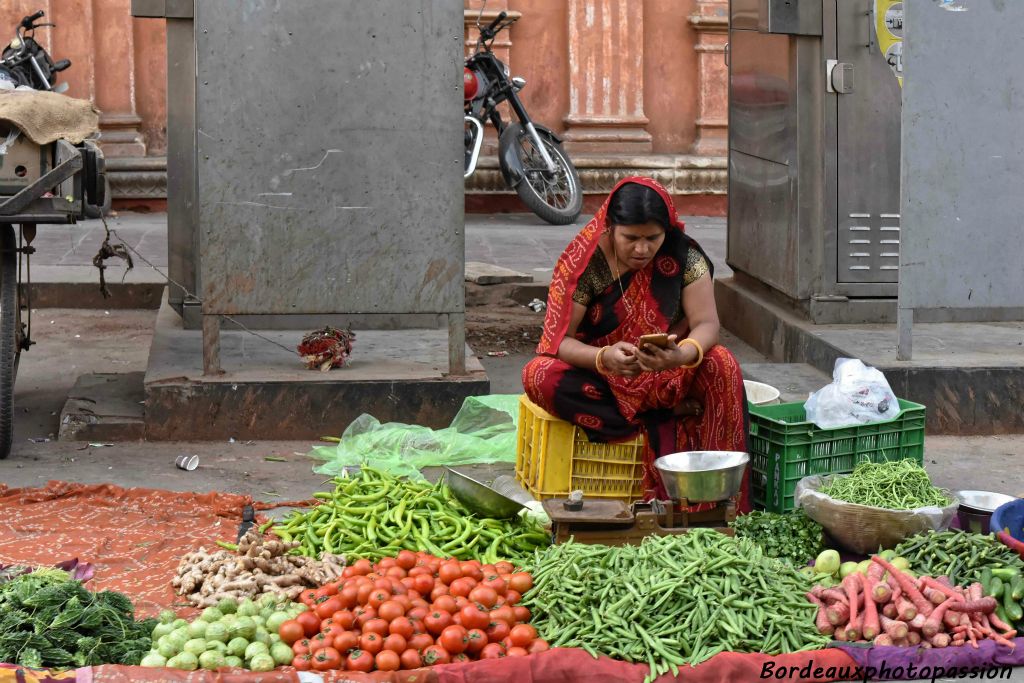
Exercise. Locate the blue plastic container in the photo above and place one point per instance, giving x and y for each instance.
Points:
(1009, 516)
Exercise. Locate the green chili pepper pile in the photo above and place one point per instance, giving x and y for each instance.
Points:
(791, 536)
(893, 485)
(957, 554)
(671, 601)
(374, 515)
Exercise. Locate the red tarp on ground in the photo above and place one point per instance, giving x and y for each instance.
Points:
(555, 666)
(135, 537)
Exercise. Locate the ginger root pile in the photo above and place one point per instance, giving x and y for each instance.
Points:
(259, 566)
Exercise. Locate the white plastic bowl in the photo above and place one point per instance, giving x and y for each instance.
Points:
(761, 394)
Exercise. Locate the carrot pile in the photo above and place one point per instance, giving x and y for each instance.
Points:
(889, 607)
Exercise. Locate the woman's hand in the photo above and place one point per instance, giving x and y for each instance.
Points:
(651, 358)
(621, 359)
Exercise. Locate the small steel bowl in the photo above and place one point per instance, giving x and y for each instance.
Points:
(983, 501)
(976, 508)
(703, 476)
(480, 498)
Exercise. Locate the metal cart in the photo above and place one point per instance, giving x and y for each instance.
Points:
(39, 184)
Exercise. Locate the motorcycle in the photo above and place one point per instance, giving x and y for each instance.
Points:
(532, 159)
(26, 63)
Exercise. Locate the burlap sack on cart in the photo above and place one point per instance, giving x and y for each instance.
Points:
(864, 529)
(46, 117)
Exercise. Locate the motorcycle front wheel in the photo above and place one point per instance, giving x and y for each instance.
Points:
(556, 197)
(9, 328)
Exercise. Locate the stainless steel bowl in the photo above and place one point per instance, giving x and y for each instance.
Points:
(703, 476)
(976, 508)
(982, 501)
(480, 498)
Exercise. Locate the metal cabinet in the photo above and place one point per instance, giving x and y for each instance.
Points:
(814, 148)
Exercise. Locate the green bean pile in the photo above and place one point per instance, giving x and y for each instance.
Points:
(375, 514)
(893, 485)
(671, 601)
(957, 554)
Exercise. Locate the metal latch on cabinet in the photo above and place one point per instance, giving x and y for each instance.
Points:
(838, 77)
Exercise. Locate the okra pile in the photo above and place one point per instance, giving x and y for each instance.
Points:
(957, 554)
(374, 514)
(671, 601)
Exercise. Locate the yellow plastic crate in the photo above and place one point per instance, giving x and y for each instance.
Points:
(554, 457)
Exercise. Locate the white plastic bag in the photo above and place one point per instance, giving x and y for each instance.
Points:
(858, 394)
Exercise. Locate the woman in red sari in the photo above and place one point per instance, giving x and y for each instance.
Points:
(633, 271)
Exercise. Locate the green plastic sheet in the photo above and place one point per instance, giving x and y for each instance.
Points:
(483, 431)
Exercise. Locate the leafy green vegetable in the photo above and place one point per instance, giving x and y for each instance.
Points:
(48, 619)
(791, 536)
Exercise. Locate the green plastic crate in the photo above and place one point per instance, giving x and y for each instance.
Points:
(785, 448)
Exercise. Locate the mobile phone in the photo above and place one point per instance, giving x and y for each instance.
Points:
(659, 340)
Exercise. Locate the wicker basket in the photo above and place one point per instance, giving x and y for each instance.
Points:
(863, 529)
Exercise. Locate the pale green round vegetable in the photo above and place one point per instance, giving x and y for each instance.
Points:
(161, 630)
(275, 620)
(196, 646)
(274, 638)
(888, 555)
(228, 605)
(211, 614)
(862, 567)
(211, 660)
(255, 649)
(236, 646)
(217, 631)
(244, 627)
(167, 647)
(167, 616)
(154, 660)
(179, 637)
(228, 619)
(216, 646)
(262, 635)
(901, 563)
(197, 629)
(262, 662)
(247, 608)
(186, 661)
(282, 654)
(259, 620)
(847, 568)
(180, 623)
(827, 562)
(234, 662)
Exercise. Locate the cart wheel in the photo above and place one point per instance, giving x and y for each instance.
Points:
(9, 329)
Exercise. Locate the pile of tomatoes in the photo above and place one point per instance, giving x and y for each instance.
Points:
(411, 611)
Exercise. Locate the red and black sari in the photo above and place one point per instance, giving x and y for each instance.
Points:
(615, 408)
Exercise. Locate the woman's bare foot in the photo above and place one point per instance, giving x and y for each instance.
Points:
(689, 407)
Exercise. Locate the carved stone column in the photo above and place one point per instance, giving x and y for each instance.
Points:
(606, 77)
(711, 21)
(115, 79)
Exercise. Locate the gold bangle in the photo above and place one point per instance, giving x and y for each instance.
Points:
(598, 365)
(700, 351)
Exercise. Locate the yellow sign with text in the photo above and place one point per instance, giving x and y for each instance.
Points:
(889, 29)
